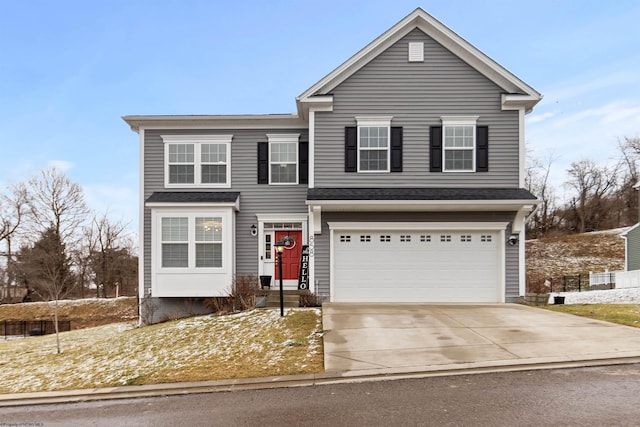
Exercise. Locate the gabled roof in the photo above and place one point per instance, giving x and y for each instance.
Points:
(524, 95)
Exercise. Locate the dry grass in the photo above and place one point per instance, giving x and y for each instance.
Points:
(624, 314)
(249, 344)
(579, 253)
(82, 313)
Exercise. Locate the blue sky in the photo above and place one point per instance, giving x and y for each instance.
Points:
(70, 69)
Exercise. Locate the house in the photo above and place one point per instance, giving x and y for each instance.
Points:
(631, 238)
(401, 175)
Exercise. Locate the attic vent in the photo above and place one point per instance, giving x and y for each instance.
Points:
(416, 52)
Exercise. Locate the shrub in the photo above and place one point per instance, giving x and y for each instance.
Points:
(242, 295)
(309, 299)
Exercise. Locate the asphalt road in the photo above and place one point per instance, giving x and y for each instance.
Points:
(602, 396)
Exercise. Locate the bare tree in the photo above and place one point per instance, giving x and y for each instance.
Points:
(592, 184)
(107, 257)
(537, 182)
(57, 203)
(13, 208)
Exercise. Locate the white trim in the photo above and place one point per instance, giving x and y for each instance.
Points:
(303, 219)
(141, 236)
(399, 226)
(285, 138)
(202, 122)
(374, 122)
(517, 102)
(459, 121)
(197, 141)
(311, 174)
(192, 281)
(499, 227)
(423, 205)
(522, 149)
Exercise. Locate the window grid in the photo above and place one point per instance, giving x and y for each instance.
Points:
(445, 238)
(405, 238)
(459, 147)
(465, 238)
(385, 238)
(345, 239)
(197, 163)
(365, 238)
(373, 148)
(425, 238)
(486, 238)
(283, 161)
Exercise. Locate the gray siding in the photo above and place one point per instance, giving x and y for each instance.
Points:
(417, 95)
(633, 249)
(254, 198)
(322, 240)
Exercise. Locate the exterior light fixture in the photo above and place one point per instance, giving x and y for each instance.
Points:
(254, 230)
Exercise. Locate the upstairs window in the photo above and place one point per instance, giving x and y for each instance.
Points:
(373, 144)
(283, 159)
(197, 161)
(459, 144)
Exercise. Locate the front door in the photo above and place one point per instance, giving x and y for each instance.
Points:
(290, 255)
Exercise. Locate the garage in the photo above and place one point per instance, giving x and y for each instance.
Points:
(382, 263)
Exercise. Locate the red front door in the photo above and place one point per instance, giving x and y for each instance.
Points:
(290, 255)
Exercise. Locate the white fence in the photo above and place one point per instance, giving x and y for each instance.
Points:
(627, 279)
(603, 278)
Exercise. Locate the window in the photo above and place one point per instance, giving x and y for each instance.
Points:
(191, 241)
(345, 239)
(175, 242)
(373, 144)
(459, 143)
(365, 238)
(197, 160)
(465, 238)
(445, 238)
(425, 238)
(283, 158)
(208, 242)
(385, 238)
(405, 238)
(486, 238)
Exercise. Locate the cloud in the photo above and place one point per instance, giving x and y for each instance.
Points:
(62, 165)
(120, 203)
(537, 118)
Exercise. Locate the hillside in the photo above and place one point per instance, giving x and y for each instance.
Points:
(84, 313)
(578, 253)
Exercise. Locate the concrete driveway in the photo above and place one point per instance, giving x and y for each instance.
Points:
(394, 338)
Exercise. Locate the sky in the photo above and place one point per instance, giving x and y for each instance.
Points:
(69, 70)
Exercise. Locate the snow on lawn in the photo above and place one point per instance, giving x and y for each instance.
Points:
(612, 296)
(248, 344)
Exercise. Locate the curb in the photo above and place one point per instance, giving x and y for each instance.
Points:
(325, 378)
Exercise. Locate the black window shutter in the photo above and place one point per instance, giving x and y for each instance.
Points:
(482, 149)
(350, 149)
(263, 162)
(396, 149)
(435, 149)
(303, 162)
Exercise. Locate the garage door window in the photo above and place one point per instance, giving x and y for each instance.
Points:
(425, 238)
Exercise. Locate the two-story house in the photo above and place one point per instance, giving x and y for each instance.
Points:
(402, 172)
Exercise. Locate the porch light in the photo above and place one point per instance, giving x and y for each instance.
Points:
(280, 245)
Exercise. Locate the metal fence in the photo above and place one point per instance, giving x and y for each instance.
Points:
(580, 282)
(25, 328)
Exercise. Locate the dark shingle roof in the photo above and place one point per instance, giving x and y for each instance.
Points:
(193, 197)
(419, 194)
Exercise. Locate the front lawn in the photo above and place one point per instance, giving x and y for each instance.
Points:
(254, 343)
(624, 314)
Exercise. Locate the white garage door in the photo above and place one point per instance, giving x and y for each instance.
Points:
(416, 266)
